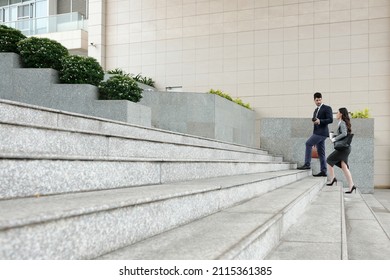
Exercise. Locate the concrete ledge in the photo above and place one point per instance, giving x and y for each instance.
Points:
(287, 137)
(202, 114)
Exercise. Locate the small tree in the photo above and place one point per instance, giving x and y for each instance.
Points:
(9, 37)
(41, 53)
(120, 87)
(78, 69)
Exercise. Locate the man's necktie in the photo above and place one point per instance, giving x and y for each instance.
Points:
(315, 113)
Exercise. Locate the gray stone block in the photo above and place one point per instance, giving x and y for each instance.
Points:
(202, 114)
(9, 60)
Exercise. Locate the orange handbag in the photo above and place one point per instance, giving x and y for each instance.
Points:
(314, 153)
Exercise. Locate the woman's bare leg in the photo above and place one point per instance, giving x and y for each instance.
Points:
(347, 174)
(331, 172)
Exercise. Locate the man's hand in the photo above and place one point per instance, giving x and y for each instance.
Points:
(317, 121)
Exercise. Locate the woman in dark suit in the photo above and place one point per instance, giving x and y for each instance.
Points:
(340, 158)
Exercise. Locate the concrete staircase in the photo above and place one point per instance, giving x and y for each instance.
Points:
(80, 187)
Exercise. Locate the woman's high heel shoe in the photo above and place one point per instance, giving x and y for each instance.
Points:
(353, 189)
(333, 181)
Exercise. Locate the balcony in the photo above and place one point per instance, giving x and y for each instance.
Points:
(50, 24)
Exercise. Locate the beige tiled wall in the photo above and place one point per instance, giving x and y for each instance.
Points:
(271, 53)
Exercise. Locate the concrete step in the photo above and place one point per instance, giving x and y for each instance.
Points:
(379, 202)
(47, 176)
(245, 231)
(89, 224)
(320, 234)
(25, 115)
(41, 155)
(367, 228)
(28, 140)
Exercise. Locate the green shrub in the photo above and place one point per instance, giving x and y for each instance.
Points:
(9, 37)
(227, 96)
(118, 71)
(78, 69)
(365, 114)
(144, 80)
(240, 102)
(221, 93)
(120, 87)
(139, 78)
(41, 53)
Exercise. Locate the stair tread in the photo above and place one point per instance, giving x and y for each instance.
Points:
(15, 156)
(367, 231)
(318, 232)
(66, 139)
(220, 234)
(21, 211)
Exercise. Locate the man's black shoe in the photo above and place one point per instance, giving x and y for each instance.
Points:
(321, 174)
(304, 167)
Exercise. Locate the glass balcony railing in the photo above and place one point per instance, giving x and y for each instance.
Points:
(57, 23)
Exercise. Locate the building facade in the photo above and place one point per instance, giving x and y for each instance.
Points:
(273, 54)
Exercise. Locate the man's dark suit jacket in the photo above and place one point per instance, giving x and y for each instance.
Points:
(326, 117)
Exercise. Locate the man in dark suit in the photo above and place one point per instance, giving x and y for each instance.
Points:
(322, 116)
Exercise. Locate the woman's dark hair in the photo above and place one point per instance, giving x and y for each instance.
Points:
(345, 117)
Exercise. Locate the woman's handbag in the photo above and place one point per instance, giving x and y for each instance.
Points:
(343, 143)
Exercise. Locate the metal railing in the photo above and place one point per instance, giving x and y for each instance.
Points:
(57, 23)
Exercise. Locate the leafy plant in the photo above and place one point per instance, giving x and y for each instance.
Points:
(9, 37)
(78, 69)
(364, 114)
(120, 87)
(227, 96)
(240, 102)
(41, 53)
(221, 93)
(144, 80)
(118, 71)
(139, 78)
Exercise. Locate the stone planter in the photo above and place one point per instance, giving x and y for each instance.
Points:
(202, 114)
(40, 86)
(287, 137)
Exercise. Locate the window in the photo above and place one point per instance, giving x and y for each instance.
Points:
(24, 11)
(3, 3)
(41, 9)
